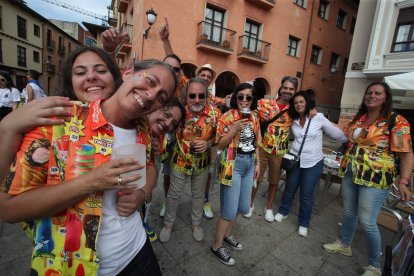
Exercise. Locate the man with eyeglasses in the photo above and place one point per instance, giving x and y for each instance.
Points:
(275, 142)
(191, 157)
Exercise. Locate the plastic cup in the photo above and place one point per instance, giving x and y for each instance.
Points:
(138, 152)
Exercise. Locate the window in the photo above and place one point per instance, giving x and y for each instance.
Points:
(21, 56)
(250, 40)
(341, 20)
(49, 41)
(213, 27)
(323, 10)
(345, 66)
(301, 3)
(316, 55)
(293, 46)
(21, 27)
(353, 22)
(36, 56)
(334, 64)
(1, 51)
(69, 47)
(404, 40)
(89, 41)
(60, 43)
(36, 30)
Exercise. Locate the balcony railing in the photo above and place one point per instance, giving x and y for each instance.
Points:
(253, 49)
(268, 4)
(51, 44)
(215, 38)
(126, 46)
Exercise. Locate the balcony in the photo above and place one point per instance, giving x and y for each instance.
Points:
(61, 50)
(50, 68)
(215, 38)
(126, 46)
(122, 6)
(267, 4)
(112, 20)
(51, 44)
(253, 49)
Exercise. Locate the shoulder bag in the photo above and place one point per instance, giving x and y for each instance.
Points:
(291, 160)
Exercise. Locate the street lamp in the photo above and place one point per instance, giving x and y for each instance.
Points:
(151, 18)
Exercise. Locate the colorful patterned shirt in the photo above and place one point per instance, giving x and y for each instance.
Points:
(371, 161)
(65, 244)
(276, 138)
(196, 127)
(228, 155)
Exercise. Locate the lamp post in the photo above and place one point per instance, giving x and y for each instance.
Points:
(151, 18)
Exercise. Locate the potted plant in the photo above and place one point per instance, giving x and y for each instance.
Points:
(203, 38)
(226, 44)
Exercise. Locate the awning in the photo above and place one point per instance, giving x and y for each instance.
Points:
(402, 89)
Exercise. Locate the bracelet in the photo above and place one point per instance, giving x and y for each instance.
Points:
(403, 180)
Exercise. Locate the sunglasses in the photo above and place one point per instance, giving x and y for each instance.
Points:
(2, 80)
(246, 98)
(200, 96)
(176, 69)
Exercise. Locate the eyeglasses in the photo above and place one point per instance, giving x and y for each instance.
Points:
(246, 98)
(2, 80)
(176, 69)
(200, 96)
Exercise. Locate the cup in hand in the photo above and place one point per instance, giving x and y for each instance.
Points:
(138, 152)
(245, 113)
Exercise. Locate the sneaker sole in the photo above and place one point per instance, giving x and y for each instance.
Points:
(338, 252)
(223, 262)
(204, 215)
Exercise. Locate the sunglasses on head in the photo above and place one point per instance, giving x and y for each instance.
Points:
(247, 98)
(200, 96)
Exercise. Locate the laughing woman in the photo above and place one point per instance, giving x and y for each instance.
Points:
(237, 136)
(82, 233)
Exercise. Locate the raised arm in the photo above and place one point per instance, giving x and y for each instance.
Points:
(164, 35)
(111, 38)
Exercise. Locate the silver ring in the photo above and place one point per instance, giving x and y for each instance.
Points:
(119, 181)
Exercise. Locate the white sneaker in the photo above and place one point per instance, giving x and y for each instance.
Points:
(250, 213)
(162, 210)
(303, 231)
(269, 216)
(208, 213)
(279, 217)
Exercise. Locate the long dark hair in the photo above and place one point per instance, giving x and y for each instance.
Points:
(386, 108)
(67, 88)
(310, 103)
(245, 85)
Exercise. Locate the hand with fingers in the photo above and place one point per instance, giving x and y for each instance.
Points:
(112, 37)
(108, 176)
(164, 31)
(239, 125)
(129, 201)
(39, 112)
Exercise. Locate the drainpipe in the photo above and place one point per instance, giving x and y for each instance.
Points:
(307, 45)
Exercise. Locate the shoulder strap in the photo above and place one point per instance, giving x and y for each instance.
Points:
(277, 116)
(304, 137)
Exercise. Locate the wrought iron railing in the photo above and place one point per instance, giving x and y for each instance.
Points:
(215, 36)
(254, 47)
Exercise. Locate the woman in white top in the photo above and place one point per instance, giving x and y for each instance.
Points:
(307, 174)
(9, 96)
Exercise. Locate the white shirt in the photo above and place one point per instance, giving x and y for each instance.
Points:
(312, 149)
(120, 238)
(37, 92)
(9, 96)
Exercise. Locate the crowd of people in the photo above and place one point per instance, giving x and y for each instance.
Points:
(84, 216)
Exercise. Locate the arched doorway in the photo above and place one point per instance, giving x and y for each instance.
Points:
(225, 83)
(188, 69)
(262, 88)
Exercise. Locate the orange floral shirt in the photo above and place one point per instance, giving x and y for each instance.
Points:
(65, 244)
(228, 155)
(276, 138)
(196, 127)
(371, 153)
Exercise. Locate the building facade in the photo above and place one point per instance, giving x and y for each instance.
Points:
(30, 41)
(249, 40)
(383, 45)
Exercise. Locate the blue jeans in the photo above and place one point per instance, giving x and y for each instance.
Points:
(363, 203)
(236, 198)
(305, 179)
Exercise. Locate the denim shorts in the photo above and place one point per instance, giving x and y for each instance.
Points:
(236, 198)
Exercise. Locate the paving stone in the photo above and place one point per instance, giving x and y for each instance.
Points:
(269, 265)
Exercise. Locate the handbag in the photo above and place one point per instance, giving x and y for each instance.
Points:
(265, 124)
(291, 160)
